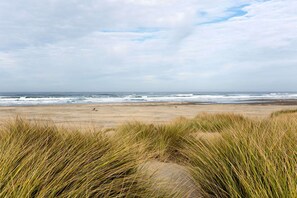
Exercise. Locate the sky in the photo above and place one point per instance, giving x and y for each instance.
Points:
(148, 45)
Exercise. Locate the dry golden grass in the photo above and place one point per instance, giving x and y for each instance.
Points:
(255, 160)
(161, 141)
(227, 155)
(38, 160)
(283, 112)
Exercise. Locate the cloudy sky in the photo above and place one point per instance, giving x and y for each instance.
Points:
(148, 45)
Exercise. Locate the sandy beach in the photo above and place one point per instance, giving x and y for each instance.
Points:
(112, 115)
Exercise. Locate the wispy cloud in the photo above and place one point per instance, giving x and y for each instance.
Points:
(148, 45)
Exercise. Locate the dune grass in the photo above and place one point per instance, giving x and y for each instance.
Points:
(259, 160)
(250, 158)
(283, 112)
(162, 140)
(213, 122)
(37, 160)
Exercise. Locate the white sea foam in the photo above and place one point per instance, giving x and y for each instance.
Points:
(16, 99)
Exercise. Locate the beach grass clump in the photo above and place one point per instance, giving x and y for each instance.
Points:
(162, 141)
(258, 159)
(206, 122)
(216, 122)
(283, 112)
(40, 160)
(227, 155)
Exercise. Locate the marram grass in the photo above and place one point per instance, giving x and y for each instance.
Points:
(283, 112)
(248, 158)
(257, 160)
(165, 141)
(41, 161)
(161, 141)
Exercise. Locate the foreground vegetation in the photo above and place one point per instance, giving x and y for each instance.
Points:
(257, 160)
(42, 161)
(226, 155)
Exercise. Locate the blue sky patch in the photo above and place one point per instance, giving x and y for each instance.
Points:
(232, 12)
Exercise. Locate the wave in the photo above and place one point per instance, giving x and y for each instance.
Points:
(17, 99)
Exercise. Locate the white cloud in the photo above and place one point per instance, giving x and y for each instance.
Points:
(7, 61)
(111, 45)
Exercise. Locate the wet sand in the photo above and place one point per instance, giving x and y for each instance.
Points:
(111, 115)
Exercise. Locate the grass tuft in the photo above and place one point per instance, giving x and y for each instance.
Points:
(162, 141)
(283, 112)
(259, 160)
(38, 160)
(227, 155)
(216, 122)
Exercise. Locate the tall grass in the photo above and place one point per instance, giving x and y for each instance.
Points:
(165, 141)
(41, 161)
(283, 112)
(162, 141)
(255, 160)
(215, 122)
(250, 158)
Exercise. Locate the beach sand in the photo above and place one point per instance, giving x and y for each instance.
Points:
(112, 115)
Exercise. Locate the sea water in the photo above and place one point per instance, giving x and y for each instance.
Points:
(52, 98)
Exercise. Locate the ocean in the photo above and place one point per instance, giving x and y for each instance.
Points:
(58, 98)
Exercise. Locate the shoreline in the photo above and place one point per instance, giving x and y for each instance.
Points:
(284, 102)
